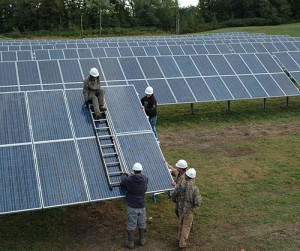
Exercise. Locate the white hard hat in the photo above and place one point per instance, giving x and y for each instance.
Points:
(137, 167)
(191, 173)
(149, 90)
(94, 72)
(181, 164)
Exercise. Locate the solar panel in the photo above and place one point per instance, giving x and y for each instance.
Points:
(269, 63)
(84, 53)
(212, 49)
(150, 67)
(112, 52)
(9, 56)
(28, 73)
(204, 65)
(42, 54)
(169, 67)
(111, 69)
(49, 71)
(237, 48)
(253, 86)
(131, 68)
(138, 51)
(164, 50)
(162, 91)
(98, 52)
(181, 90)
(18, 184)
(176, 50)
(8, 75)
(269, 85)
(70, 70)
(24, 55)
(70, 53)
(218, 88)
(41, 105)
(296, 56)
(287, 61)
(186, 66)
(236, 87)
(125, 52)
(56, 54)
(221, 65)
(151, 51)
(253, 63)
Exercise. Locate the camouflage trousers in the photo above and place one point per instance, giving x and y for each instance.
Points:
(97, 99)
(185, 223)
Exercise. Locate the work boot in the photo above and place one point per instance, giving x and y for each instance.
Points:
(142, 237)
(97, 115)
(102, 108)
(130, 243)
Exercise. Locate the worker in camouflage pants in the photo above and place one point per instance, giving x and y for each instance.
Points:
(92, 91)
(187, 197)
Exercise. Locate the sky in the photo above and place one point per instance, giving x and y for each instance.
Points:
(186, 3)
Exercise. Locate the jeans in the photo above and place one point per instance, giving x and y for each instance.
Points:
(153, 125)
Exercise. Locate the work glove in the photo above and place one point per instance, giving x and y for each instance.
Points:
(87, 103)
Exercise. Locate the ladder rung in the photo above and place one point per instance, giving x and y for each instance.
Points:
(115, 183)
(102, 145)
(105, 136)
(112, 163)
(108, 154)
(114, 173)
(102, 128)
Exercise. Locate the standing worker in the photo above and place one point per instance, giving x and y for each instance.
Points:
(179, 172)
(149, 104)
(92, 91)
(135, 185)
(187, 197)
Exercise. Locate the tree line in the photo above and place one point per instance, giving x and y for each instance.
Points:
(119, 16)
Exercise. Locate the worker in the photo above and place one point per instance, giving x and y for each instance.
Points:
(179, 172)
(149, 104)
(93, 92)
(135, 185)
(187, 197)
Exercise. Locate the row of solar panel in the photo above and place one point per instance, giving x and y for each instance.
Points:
(175, 79)
(34, 47)
(51, 158)
(132, 68)
(149, 51)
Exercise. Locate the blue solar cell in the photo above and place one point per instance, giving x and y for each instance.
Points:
(9, 56)
(200, 49)
(290, 46)
(113, 83)
(221, 65)
(237, 64)
(19, 186)
(131, 68)
(280, 47)
(223, 48)
(14, 48)
(164, 50)
(176, 50)
(52, 87)
(248, 47)
(237, 48)
(24, 55)
(88, 64)
(11, 131)
(270, 86)
(200, 89)
(60, 175)
(151, 51)
(98, 52)
(94, 172)
(218, 88)
(70, 70)
(296, 76)
(9, 89)
(111, 69)
(168, 67)
(28, 73)
(253, 63)
(287, 61)
(112, 52)
(70, 53)
(253, 86)
(150, 67)
(269, 62)
(140, 86)
(186, 66)
(50, 72)
(8, 75)
(56, 54)
(71, 46)
(42, 54)
(121, 121)
(80, 116)
(125, 52)
(138, 51)
(181, 90)
(204, 65)
(236, 87)
(212, 49)
(60, 46)
(188, 50)
(270, 47)
(46, 124)
(286, 84)
(296, 56)
(259, 47)
(81, 45)
(152, 160)
(3, 48)
(162, 91)
(84, 53)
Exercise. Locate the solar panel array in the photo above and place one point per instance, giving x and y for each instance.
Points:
(51, 158)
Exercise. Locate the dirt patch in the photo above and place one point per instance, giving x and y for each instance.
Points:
(102, 225)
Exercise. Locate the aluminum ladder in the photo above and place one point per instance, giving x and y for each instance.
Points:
(107, 148)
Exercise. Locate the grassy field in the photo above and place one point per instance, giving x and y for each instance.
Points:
(248, 173)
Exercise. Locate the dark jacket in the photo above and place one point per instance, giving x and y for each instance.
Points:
(136, 187)
(150, 105)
